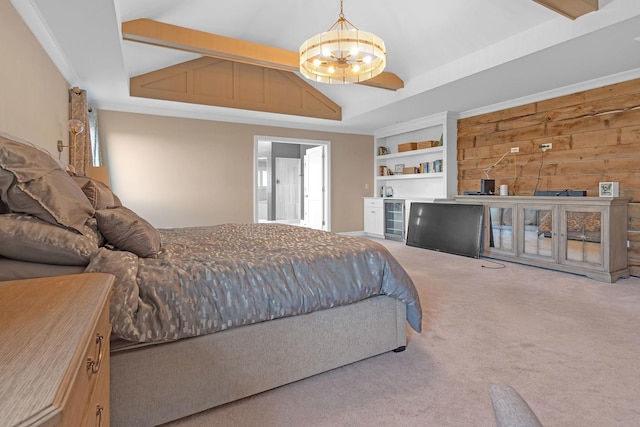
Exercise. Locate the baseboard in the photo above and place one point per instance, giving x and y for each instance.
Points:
(353, 233)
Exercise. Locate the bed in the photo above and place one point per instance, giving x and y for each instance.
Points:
(202, 316)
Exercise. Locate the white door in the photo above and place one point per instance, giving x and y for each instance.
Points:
(262, 190)
(288, 189)
(314, 188)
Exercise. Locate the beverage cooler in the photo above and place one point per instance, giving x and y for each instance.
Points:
(394, 219)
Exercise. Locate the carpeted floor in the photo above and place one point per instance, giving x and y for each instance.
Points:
(568, 344)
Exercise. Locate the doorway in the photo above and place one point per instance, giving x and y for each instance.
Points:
(292, 181)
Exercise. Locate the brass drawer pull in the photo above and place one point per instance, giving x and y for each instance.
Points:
(93, 364)
(99, 411)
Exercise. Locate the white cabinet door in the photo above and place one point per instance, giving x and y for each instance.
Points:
(373, 217)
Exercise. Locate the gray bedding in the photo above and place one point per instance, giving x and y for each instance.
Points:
(208, 279)
(11, 269)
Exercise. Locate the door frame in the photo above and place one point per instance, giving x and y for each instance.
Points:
(297, 141)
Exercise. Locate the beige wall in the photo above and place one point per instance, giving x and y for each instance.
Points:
(33, 93)
(178, 172)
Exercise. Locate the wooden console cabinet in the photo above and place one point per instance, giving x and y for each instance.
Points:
(54, 351)
(582, 235)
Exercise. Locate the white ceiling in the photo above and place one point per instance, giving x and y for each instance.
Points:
(457, 55)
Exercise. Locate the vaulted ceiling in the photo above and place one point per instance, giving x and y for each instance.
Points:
(456, 55)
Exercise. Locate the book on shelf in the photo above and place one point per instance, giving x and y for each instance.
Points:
(431, 167)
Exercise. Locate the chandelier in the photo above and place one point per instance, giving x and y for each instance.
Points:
(343, 54)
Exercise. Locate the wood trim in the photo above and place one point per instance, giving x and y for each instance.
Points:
(571, 9)
(230, 84)
(221, 47)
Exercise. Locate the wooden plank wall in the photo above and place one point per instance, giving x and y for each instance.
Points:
(595, 136)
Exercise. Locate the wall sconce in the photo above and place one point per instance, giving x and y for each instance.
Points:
(75, 127)
(60, 147)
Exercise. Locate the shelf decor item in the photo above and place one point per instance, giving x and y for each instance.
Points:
(427, 144)
(399, 168)
(407, 146)
(382, 151)
(410, 170)
(608, 189)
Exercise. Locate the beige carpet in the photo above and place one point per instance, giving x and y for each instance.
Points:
(568, 344)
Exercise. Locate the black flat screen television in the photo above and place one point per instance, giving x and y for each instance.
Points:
(446, 227)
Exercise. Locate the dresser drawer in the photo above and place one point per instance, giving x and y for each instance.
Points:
(97, 413)
(91, 383)
(373, 202)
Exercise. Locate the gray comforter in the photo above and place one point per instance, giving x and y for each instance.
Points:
(207, 279)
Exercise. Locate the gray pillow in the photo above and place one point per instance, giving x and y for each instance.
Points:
(25, 161)
(98, 193)
(6, 180)
(125, 230)
(32, 182)
(27, 238)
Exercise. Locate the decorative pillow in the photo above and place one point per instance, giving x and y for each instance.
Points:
(99, 194)
(54, 198)
(32, 182)
(124, 229)
(27, 238)
(25, 161)
(6, 180)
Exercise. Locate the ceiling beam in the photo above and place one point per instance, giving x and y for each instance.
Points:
(216, 46)
(572, 9)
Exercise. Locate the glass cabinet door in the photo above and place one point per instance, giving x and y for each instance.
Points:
(501, 229)
(537, 232)
(581, 233)
(394, 219)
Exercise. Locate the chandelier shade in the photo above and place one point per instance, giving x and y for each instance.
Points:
(343, 54)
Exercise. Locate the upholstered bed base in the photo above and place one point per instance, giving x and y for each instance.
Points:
(154, 384)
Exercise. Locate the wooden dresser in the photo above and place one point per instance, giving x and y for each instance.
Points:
(54, 351)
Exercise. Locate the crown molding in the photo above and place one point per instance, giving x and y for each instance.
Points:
(30, 14)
